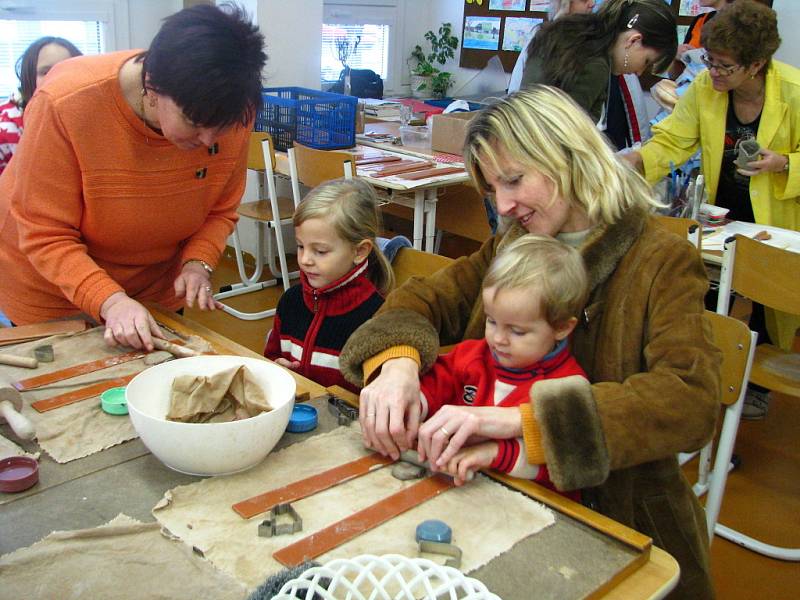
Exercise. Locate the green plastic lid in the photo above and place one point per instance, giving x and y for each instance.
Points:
(113, 401)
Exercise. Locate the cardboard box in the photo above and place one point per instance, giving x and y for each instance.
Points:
(448, 132)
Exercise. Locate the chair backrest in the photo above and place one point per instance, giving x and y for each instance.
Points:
(460, 210)
(737, 344)
(255, 153)
(317, 166)
(410, 262)
(732, 337)
(686, 228)
(763, 273)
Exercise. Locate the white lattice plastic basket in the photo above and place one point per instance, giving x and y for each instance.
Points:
(387, 577)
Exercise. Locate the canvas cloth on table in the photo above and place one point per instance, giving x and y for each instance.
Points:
(230, 394)
(487, 518)
(82, 428)
(9, 448)
(122, 559)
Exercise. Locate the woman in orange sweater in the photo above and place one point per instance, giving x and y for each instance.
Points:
(125, 185)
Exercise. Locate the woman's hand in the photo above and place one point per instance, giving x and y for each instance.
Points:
(633, 158)
(769, 162)
(293, 365)
(128, 323)
(453, 427)
(194, 284)
(470, 459)
(389, 408)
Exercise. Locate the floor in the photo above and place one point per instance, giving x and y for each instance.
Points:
(762, 497)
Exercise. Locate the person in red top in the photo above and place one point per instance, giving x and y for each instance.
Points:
(124, 188)
(32, 66)
(343, 279)
(532, 294)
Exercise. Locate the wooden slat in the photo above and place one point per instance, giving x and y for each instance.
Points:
(392, 170)
(425, 173)
(351, 527)
(25, 333)
(386, 158)
(81, 394)
(310, 486)
(81, 369)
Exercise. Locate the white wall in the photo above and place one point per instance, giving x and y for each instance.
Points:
(788, 24)
(144, 19)
(293, 31)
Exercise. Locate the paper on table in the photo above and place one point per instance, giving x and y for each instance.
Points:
(714, 237)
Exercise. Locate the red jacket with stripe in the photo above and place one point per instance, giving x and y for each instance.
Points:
(311, 325)
(469, 375)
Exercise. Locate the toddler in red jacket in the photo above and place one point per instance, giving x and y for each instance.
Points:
(532, 295)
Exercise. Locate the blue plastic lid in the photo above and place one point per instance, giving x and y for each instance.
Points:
(304, 418)
(434, 530)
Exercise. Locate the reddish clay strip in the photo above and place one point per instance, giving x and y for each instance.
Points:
(80, 394)
(376, 159)
(21, 333)
(310, 486)
(392, 170)
(75, 370)
(337, 534)
(431, 173)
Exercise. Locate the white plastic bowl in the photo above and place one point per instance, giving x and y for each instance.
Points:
(209, 448)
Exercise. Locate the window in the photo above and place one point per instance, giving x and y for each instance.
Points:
(372, 23)
(372, 51)
(17, 35)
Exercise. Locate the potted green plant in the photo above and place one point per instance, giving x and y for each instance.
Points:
(427, 79)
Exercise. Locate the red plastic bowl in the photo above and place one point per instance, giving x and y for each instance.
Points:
(18, 473)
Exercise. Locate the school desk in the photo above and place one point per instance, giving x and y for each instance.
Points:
(582, 555)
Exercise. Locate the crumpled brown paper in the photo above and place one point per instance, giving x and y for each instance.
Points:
(225, 396)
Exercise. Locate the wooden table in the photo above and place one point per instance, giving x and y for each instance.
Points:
(424, 198)
(128, 479)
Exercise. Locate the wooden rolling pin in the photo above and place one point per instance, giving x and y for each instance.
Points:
(10, 405)
(174, 349)
(18, 361)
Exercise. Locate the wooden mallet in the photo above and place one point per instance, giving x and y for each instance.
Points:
(10, 405)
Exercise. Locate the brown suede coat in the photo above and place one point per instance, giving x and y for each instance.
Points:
(646, 349)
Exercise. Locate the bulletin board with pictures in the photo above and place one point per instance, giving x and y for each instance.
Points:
(502, 27)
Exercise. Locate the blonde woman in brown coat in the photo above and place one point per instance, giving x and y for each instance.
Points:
(643, 341)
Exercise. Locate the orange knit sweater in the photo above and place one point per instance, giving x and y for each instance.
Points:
(95, 202)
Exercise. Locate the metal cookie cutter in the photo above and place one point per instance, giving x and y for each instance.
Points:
(269, 527)
(344, 413)
(451, 551)
(44, 353)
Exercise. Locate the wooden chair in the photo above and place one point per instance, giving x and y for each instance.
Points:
(769, 276)
(410, 262)
(311, 167)
(261, 158)
(737, 344)
(687, 228)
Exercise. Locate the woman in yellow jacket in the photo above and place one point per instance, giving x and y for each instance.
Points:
(744, 93)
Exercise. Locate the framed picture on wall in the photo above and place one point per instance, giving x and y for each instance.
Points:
(482, 33)
(518, 5)
(517, 31)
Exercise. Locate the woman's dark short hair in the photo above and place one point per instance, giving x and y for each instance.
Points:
(747, 30)
(26, 64)
(208, 60)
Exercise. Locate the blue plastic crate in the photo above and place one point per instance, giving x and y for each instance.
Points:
(317, 119)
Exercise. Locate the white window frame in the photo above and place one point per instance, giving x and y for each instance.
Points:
(379, 12)
(112, 13)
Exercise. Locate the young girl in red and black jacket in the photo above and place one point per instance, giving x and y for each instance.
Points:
(343, 280)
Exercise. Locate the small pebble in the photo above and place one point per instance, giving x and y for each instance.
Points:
(405, 471)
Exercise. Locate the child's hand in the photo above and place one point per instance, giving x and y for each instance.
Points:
(294, 365)
(469, 459)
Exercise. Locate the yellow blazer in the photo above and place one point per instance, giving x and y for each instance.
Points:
(698, 121)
